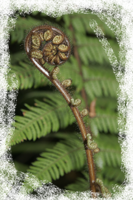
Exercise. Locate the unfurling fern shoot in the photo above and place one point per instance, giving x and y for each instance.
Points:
(55, 52)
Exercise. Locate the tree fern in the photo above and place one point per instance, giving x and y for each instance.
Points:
(50, 113)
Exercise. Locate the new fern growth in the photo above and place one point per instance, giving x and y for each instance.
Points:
(56, 51)
(44, 132)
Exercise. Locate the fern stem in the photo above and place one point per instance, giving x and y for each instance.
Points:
(89, 155)
(75, 111)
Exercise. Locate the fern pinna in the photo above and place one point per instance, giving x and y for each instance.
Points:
(87, 72)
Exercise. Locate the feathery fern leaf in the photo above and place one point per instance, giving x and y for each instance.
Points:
(40, 120)
(22, 25)
(64, 157)
(110, 154)
(27, 76)
(100, 81)
(78, 190)
(119, 175)
(103, 52)
(108, 121)
(98, 24)
(4, 190)
(107, 104)
(11, 172)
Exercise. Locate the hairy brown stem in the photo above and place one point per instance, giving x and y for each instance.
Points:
(75, 111)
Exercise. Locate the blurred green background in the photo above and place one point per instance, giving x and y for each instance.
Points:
(46, 140)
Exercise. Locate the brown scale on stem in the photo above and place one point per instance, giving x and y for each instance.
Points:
(55, 52)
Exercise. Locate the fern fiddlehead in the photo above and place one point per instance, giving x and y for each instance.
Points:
(56, 51)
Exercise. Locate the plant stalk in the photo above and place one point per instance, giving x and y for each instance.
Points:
(76, 113)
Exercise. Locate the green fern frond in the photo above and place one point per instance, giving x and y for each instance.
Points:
(103, 52)
(118, 175)
(114, 105)
(27, 76)
(104, 122)
(64, 157)
(11, 172)
(4, 190)
(78, 190)
(22, 25)
(98, 24)
(40, 120)
(110, 153)
(101, 81)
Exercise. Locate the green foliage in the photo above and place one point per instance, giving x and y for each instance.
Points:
(15, 26)
(26, 76)
(106, 122)
(90, 49)
(47, 112)
(62, 158)
(41, 119)
(74, 191)
(99, 23)
(114, 174)
(109, 151)
(99, 81)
